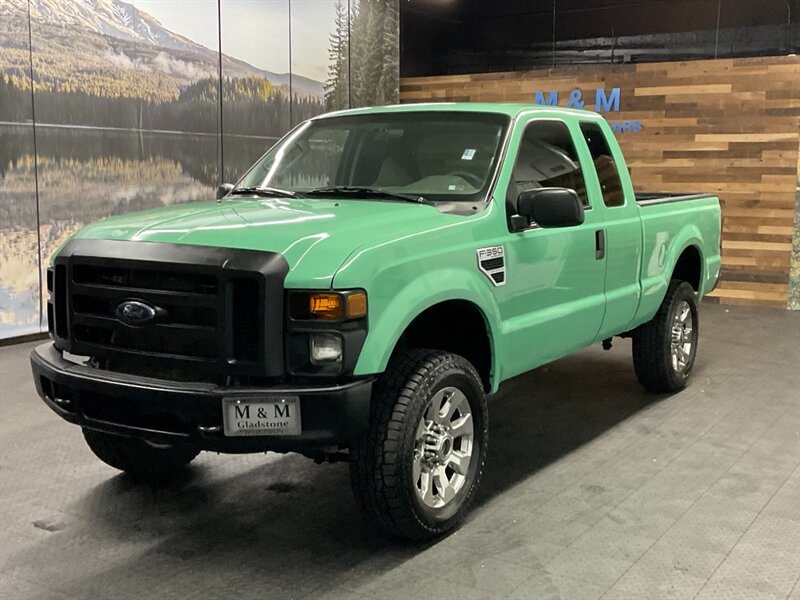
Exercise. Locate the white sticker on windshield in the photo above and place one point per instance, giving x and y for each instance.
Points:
(469, 154)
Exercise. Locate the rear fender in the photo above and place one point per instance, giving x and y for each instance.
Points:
(657, 274)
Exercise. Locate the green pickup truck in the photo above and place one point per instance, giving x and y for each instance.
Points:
(362, 289)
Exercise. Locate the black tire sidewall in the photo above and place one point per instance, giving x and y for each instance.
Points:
(136, 457)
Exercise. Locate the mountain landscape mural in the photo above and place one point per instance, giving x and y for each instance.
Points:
(131, 113)
(106, 63)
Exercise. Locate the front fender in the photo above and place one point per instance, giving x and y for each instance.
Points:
(389, 319)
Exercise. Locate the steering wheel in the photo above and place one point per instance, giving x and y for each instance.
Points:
(470, 178)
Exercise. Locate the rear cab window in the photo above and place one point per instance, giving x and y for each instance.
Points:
(604, 164)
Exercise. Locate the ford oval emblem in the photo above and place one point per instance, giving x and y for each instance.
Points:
(134, 312)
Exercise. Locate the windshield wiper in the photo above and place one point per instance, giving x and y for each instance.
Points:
(349, 190)
(267, 192)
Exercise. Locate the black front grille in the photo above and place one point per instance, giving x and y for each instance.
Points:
(245, 321)
(145, 278)
(61, 325)
(216, 312)
(187, 326)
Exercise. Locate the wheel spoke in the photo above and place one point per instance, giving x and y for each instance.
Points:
(686, 353)
(459, 462)
(444, 489)
(447, 407)
(454, 401)
(460, 403)
(461, 426)
(426, 487)
(416, 469)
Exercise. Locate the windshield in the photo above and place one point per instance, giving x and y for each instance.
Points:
(440, 156)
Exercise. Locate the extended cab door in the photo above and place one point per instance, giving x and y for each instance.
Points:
(553, 300)
(618, 225)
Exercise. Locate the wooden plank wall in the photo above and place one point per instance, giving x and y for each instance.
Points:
(728, 126)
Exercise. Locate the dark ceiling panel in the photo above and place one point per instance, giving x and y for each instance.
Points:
(441, 36)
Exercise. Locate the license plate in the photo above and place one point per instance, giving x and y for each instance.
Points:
(271, 415)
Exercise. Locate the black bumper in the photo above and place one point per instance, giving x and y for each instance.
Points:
(165, 412)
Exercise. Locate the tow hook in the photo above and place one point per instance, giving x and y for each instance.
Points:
(607, 344)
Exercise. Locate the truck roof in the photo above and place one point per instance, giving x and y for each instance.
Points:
(512, 109)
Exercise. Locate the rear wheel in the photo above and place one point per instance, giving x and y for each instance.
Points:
(416, 471)
(665, 347)
(138, 458)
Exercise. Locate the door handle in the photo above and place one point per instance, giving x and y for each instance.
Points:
(600, 244)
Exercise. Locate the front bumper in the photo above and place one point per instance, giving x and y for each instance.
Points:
(165, 412)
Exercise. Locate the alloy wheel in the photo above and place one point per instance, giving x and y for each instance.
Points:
(682, 337)
(443, 449)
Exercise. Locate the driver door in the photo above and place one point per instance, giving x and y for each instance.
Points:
(553, 301)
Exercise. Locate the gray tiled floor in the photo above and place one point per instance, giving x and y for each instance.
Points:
(593, 489)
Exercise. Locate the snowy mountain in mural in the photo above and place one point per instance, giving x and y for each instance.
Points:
(112, 37)
(107, 17)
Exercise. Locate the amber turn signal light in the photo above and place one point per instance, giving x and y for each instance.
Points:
(356, 305)
(328, 306)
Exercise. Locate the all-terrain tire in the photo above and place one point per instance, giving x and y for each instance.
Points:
(652, 342)
(382, 461)
(138, 458)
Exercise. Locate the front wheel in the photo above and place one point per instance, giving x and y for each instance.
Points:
(665, 347)
(416, 471)
(137, 458)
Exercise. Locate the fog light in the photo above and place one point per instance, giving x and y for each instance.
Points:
(325, 348)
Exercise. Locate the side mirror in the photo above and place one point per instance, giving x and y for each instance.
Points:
(551, 207)
(224, 190)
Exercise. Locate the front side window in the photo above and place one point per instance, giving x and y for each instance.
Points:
(604, 164)
(546, 158)
(439, 155)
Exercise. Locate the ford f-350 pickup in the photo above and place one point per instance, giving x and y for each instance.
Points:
(362, 289)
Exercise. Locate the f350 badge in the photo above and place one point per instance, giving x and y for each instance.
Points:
(492, 263)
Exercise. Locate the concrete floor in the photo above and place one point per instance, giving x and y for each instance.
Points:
(593, 489)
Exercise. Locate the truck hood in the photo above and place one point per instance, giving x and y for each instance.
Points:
(314, 235)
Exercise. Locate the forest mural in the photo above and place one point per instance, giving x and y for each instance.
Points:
(109, 106)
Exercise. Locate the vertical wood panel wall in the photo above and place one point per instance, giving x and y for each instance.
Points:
(731, 127)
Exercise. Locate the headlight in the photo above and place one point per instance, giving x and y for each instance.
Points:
(325, 331)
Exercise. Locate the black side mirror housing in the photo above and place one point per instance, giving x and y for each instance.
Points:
(551, 207)
(223, 190)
